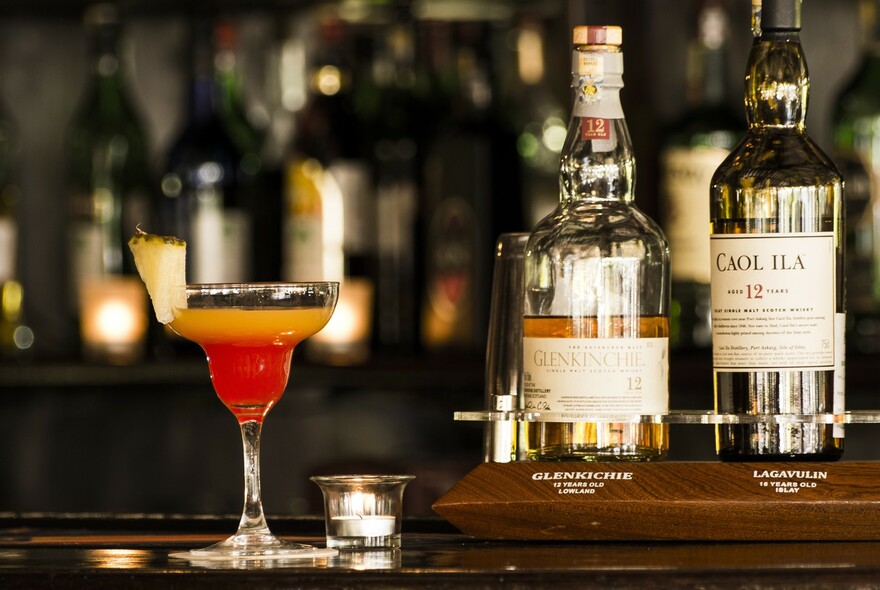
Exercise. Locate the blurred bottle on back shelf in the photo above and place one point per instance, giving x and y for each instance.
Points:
(472, 194)
(329, 211)
(16, 338)
(541, 120)
(397, 140)
(203, 199)
(248, 139)
(108, 182)
(692, 149)
(856, 123)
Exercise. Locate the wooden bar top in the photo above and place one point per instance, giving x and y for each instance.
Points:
(70, 551)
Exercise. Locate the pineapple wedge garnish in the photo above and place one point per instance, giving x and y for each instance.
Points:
(161, 262)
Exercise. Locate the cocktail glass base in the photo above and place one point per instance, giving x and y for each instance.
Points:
(255, 546)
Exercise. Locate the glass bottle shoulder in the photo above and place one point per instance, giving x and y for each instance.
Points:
(776, 158)
(604, 225)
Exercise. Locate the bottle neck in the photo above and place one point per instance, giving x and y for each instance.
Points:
(202, 91)
(707, 66)
(227, 83)
(597, 159)
(106, 71)
(777, 82)
(710, 86)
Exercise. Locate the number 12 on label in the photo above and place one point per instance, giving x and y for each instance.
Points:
(755, 291)
(595, 128)
(633, 383)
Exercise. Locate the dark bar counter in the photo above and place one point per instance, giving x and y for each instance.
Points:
(130, 551)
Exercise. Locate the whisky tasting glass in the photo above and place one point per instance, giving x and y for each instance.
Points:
(504, 349)
(248, 333)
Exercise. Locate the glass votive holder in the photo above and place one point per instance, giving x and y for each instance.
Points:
(363, 511)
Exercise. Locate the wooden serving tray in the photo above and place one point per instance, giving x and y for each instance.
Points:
(695, 501)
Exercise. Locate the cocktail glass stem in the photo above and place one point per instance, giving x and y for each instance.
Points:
(253, 521)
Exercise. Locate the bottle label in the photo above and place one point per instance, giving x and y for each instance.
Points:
(88, 250)
(7, 249)
(595, 128)
(596, 376)
(302, 248)
(597, 78)
(353, 180)
(396, 205)
(448, 314)
(589, 64)
(773, 301)
(221, 245)
(686, 177)
(314, 224)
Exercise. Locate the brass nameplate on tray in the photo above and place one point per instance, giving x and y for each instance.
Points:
(667, 501)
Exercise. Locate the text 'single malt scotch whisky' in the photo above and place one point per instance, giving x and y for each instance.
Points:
(596, 326)
(777, 262)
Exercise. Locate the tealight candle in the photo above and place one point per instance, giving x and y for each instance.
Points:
(363, 511)
(371, 525)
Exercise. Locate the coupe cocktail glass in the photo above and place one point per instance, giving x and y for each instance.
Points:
(248, 332)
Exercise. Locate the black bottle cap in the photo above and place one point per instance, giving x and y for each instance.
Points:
(781, 15)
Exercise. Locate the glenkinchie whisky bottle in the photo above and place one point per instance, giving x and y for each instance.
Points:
(777, 262)
(596, 326)
(692, 149)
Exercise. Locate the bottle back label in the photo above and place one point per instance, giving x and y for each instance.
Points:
(773, 301)
(596, 376)
(686, 178)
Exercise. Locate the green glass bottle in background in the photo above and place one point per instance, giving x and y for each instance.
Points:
(692, 149)
(107, 166)
(777, 251)
(856, 120)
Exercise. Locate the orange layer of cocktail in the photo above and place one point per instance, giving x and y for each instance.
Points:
(249, 350)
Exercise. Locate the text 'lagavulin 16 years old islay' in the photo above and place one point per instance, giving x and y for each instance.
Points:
(596, 326)
(777, 262)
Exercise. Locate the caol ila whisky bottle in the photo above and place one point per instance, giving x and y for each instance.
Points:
(777, 261)
(596, 326)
